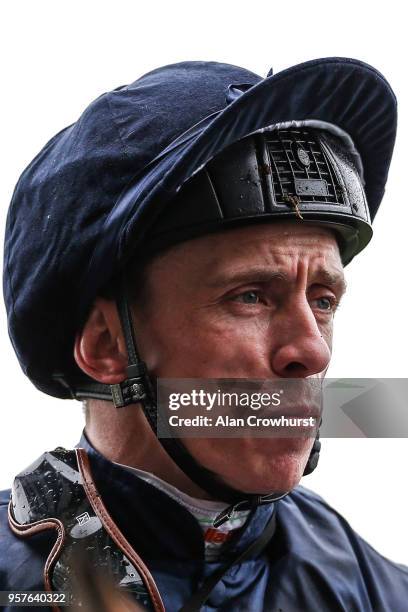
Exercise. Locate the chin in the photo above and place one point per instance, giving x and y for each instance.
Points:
(272, 466)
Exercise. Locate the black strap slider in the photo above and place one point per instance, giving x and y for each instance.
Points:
(117, 396)
(136, 370)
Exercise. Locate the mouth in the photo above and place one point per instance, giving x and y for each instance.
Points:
(302, 412)
(293, 410)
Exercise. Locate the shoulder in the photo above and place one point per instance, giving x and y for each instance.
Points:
(21, 560)
(321, 539)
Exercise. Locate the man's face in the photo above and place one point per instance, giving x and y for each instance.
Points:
(254, 302)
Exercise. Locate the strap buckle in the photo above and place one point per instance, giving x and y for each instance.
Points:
(133, 389)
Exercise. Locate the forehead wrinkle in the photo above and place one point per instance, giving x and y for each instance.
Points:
(276, 249)
(279, 262)
(217, 261)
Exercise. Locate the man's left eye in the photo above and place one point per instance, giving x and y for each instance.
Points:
(248, 297)
(325, 303)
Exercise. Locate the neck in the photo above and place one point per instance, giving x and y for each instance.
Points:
(124, 436)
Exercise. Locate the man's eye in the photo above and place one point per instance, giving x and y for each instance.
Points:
(325, 303)
(248, 297)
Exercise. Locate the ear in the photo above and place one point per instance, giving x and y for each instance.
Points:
(100, 348)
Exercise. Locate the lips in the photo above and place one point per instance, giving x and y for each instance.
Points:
(299, 411)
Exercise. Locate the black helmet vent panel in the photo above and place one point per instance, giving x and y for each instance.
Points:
(301, 168)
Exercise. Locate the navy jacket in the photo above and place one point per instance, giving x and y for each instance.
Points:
(315, 561)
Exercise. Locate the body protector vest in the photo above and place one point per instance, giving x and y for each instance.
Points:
(314, 561)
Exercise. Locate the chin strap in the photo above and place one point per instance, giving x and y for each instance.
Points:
(138, 388)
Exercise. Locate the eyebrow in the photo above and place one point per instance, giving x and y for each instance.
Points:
(332, 279)
(261, 275)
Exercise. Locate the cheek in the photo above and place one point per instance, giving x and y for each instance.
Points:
(211, 347)
(207, 344)
(326, 331)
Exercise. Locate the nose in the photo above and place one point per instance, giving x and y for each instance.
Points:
(302, 350)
